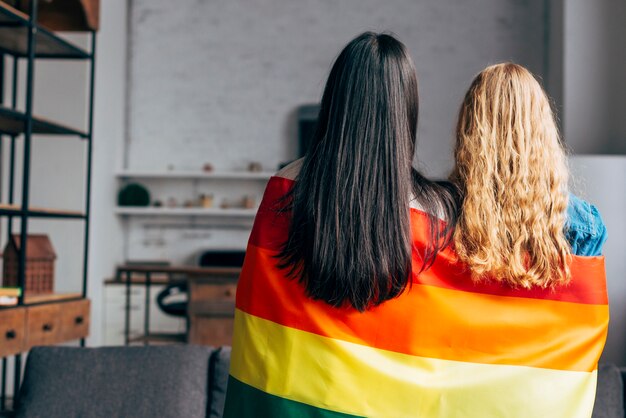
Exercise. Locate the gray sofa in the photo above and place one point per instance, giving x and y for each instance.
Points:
(154, 381)
(168, 381)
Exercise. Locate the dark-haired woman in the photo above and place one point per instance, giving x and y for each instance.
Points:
(351, 303)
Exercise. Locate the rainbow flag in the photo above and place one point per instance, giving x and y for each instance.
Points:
(445, 348)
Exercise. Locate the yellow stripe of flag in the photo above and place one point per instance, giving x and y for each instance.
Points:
(346, 377)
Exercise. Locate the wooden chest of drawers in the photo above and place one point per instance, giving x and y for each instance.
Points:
(211, 310)
(25, 327)
(12, 331)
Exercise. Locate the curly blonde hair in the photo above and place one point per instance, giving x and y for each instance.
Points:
(512, 172)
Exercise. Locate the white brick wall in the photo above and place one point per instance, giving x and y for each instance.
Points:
(220, 81)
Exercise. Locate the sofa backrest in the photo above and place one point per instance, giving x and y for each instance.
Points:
(220, 363)
(610, 392)
(163, 381)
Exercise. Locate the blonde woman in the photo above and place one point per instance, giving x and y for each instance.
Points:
(520, 235)
(517, 221)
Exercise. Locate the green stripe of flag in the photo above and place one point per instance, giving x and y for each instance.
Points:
(244, 401)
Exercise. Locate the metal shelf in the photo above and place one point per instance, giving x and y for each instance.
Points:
(217, 175)
(22, 37)
(152, 211)
(15, 210)
(14, 123)
(14, 28)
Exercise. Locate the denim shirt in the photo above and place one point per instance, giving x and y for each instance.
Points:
(584, 228)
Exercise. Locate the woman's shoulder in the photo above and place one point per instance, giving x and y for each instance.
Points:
(291, 170)
(584, 227)
(281, 183)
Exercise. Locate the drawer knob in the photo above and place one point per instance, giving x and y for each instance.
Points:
(10, 334)
(47, 327)
(79, 320)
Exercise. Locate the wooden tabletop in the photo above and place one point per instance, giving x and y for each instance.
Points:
(191, 270)
(139, 272)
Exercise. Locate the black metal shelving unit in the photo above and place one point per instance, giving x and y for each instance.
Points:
(21, 38)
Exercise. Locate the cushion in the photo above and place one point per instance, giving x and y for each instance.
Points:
(610, 393)
(220, 365)
(163, 381)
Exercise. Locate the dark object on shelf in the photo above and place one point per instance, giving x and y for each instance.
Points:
(175, 307)
(133, 194)
(221, 258)
(207, 168)
(65, 15)
(307, 122)
(40, 258)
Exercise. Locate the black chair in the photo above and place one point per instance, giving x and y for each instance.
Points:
(169, 299)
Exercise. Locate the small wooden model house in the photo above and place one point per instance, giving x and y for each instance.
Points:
(40, 258)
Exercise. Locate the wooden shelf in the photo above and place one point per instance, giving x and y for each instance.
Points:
(14, 38)
(50, 297)
(15, 210)
(14, 123)
(162, 211)
(40, 299)
(199, 175)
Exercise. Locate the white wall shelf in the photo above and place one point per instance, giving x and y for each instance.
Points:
(164, 211)
(217, 175)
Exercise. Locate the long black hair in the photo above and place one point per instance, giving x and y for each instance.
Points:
(350, 236)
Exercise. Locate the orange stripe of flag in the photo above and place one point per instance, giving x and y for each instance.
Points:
(449, 324)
